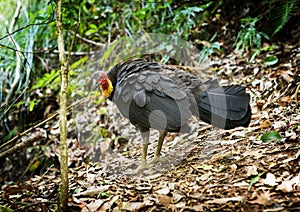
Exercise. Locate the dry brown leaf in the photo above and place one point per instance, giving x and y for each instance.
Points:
(114, 199)
(251, 170)
(180, 204)
(164, 199)
(233, 168)
(286, 76)
(91, 177)
(205, 176)
(283, 101)
(198, 208)
(143, 188)
(225, 200)
(93, 206)
(263, 199)
(260, 104)
(93, 191)
(270, 180)
(265, 124)
(241, 184)
(289, 185)
(132, 206)
(177, 197)
(163, 190)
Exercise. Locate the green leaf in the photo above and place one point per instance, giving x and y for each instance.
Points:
(271, 136)
(104, 194)
(34, 166)
(206, 167)
(41, 18)
(4, 208)
(31, 105)
(271, 60)
(254, 180)
(79, 63)
(51, 78)
(78, 190)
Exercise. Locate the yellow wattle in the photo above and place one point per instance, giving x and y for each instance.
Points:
(108, 90)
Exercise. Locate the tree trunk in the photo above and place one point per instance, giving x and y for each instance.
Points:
(63, 191)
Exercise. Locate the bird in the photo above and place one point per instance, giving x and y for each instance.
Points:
(153, 95)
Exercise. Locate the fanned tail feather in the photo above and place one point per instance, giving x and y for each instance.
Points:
(225, 107)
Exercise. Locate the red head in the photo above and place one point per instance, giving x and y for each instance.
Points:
(104, 82)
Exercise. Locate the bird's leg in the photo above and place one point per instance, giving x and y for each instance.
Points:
(162, 135)
(145, 136)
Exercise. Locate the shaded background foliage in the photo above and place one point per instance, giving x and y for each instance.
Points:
(29, 77)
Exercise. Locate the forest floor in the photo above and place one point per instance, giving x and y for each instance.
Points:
(206, 170)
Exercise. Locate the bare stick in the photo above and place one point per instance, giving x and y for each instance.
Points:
(21, 145)
(63, 187)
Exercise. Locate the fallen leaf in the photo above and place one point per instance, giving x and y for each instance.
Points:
(286, 76)
(283, 101)
(143, 188)
(271, 136)
(205, 167)
(251, 170)
(177, 197)
(263, 199)
(132, 206)
(91, 177)
(164, 190)
(198, 208)
(271, 60)
(233, 168)
(164, 199)
(180, 204)
(205, 176)
(265, 124)
(93, 206)
(241, 184)
(254, 180)
(93, 191)
(288, 186)
(278, 125)
(225, 200)
(270, 180)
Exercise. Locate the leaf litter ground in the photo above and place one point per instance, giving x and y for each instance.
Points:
(206, 170)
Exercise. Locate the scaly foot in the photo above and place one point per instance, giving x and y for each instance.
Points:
(140, 168)
(158, 159)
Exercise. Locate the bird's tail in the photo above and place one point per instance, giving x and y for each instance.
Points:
(225, 107)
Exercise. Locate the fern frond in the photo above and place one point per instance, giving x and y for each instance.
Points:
(283, 15)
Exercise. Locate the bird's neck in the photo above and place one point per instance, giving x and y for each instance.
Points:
(107, 87)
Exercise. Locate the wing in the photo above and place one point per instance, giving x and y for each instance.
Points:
(152, 100)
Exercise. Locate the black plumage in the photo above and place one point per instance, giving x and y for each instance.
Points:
(153, 95)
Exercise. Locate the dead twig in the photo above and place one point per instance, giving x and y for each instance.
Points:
(33, 161)
(295, 96)
(21, 145)
(87, 40)
(29, 165)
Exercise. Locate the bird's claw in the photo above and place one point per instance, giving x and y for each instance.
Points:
(140, 168)
(157, 159)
